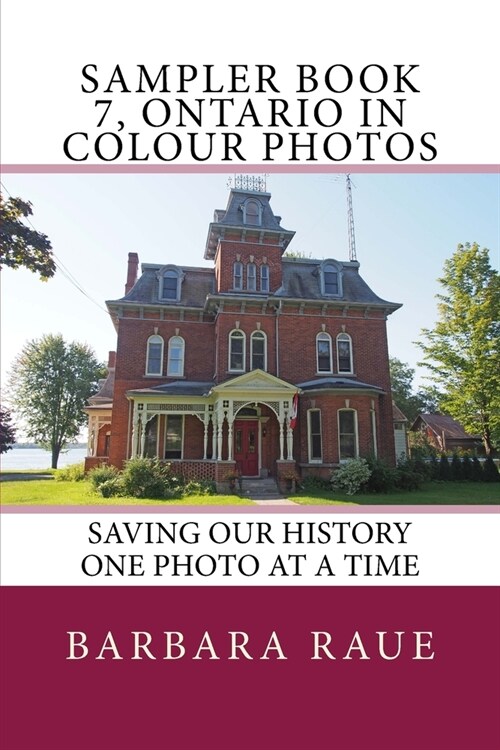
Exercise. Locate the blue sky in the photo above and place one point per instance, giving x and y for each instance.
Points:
(406, 226)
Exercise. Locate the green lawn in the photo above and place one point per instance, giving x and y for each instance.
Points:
(50, 492)
(432, 493)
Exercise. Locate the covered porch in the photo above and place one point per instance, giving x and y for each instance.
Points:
(237, 428)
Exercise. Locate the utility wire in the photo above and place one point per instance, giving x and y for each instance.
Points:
(60, 265)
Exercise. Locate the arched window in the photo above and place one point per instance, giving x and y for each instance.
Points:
(154, 356)
(238, 275)
(323, 352)
(264, 278)
(252, 212)
(251, 277)
(330, 279)
(237, 351)
(258, 350)
(344, 353)
(348, 434)
(175, 361)
(170, 283)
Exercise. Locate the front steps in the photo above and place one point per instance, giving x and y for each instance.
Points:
(255, 488)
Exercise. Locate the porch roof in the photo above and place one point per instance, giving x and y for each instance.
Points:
(336, 383)
(175, 388)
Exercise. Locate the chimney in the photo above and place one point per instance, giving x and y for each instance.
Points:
(111, 360)
(133, 265)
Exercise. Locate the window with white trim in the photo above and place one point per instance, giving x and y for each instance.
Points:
(170, 287)
(323, 352)
(314, 441)
(344, 353)
(331, 285)
(264, 278)
(154, 355)
(251, 277)
(174, 433)
(348, 434)
(258, 350)
(175, 360)
(238, 275)
(237, 351)
(252, 212)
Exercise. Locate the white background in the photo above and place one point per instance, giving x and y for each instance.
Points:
(48, 549)
(45, 46)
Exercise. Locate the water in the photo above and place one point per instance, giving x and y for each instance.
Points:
(36, 458)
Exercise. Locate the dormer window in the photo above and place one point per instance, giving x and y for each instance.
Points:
(252, 212)
(170, 284)
(330, 279)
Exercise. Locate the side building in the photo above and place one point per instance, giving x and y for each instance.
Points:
(260, 364)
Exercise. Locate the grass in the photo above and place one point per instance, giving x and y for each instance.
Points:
(49, 492)
(432, 493)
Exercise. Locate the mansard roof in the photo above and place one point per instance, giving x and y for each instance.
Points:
(233, 217)
(197, 283)
(302, 280)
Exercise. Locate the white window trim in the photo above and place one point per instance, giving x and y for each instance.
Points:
(344, 337)
(169, 359)
(240, 264)
(244, 207)
(325, 264)
(373, 425)
(253, 277)
(324, 337)
(232, 369)
(183, 431)
(266, 266)
(252, 337)
(309, 437)
(159, 340)
(180, 276)
(356, 434)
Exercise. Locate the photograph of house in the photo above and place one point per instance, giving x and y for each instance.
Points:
(262, 361)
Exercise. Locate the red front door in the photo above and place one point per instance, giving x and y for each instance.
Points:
(246, 447)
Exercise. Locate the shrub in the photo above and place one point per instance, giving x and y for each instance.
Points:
(477, 470)
(201, 487)
(112, 487)
(148, 477)
(351, 476)
(490, 471)
(382, 477)
(467, 468)
(102, 474)
(444, 469)
(457, 472)
(407, 479)
(72, 473)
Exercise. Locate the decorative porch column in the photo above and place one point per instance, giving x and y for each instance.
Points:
(230, 439)
(282, 437)
(206, 421)
(289, 440)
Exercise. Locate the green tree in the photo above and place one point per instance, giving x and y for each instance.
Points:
(411, 403)
(50, 383)
(462, 351)
(7, 430)
(20, 245)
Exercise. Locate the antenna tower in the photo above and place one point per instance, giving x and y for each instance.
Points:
(350, 219)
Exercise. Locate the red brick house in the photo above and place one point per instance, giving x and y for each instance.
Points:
(212, 362)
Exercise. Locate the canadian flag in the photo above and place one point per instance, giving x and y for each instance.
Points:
(294, 411)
